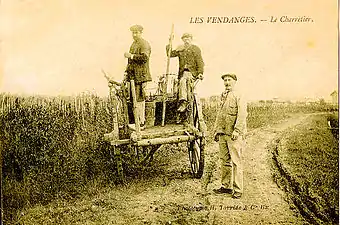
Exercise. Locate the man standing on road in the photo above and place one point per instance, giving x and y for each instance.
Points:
(190, 68)
(138, 68)
(230, 129)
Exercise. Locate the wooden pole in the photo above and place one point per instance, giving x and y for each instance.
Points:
(166, 74)
(114, 103)
(168, 140)
(134, 102)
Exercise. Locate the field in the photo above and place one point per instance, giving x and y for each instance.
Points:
(53, 147)
(307, 158)
(264, 114)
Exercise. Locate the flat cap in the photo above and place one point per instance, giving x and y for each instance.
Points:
(229, 75)
(136, 28)
(186, 35)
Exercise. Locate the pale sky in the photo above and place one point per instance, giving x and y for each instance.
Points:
(58, 47)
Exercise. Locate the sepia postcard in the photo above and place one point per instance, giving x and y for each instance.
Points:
(169, 112)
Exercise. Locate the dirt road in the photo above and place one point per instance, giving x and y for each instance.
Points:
(165, 192)
(170, 196)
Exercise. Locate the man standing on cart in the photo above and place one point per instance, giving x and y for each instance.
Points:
(138, 69)
(191, 68)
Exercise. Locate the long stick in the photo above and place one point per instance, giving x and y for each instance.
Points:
(166, 74)
(110, 80)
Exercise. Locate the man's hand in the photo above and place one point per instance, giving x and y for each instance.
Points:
(127, 55)
(234, 135)
(180, 48)
(217, 137)
(200, 76)
(144, 85)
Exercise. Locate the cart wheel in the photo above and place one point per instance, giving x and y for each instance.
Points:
(196, 147)
(196, 157)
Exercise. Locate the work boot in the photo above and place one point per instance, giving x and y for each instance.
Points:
(237, 195)
(223, 190)
(183, 106)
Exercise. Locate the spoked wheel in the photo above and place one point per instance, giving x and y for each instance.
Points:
(196, 147)
(196, 157)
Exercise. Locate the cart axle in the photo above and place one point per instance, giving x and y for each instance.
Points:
(155, 141)
(167, 140)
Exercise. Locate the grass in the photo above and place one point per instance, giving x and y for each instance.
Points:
(309, 155)
(52, 147)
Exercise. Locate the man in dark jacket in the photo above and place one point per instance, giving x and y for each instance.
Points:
(138, 68)
(190, 68)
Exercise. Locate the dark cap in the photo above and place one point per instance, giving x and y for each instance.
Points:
(136, 28)
(186, 35)
(229, 75)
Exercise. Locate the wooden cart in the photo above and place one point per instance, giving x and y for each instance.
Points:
(162, 125)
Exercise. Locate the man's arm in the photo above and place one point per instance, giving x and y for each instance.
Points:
(173, 53)
(144, 55)
(218, 126)
(199, 61)
(241, 120)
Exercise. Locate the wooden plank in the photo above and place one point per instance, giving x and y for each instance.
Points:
(166, 128)
(110, 138)
(167, 140)
(155, 132)
(162, 134)
(156, 141)
(120, 142)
